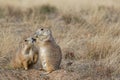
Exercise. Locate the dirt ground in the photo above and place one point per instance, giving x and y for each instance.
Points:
(7, 73)
(70, 70)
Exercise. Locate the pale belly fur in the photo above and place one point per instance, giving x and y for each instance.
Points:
(43, 57)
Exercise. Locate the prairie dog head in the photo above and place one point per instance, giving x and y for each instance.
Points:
(43, 34)
(29, 41)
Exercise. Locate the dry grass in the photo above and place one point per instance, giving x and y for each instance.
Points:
(87, 31)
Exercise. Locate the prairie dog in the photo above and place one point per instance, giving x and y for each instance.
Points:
(27, 54)
(49, 52)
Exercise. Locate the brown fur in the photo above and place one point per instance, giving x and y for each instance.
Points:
(26, 56)
(50, 52)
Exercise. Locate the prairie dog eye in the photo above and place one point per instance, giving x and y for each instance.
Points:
(25, 40)
(42, 29)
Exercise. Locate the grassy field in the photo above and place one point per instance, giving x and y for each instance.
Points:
(88, 33)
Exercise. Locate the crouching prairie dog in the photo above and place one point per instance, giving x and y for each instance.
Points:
(27, 54)
(49, 52)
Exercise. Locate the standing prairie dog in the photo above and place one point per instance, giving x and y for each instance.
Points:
(27, 55)
(49, 52)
